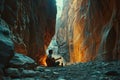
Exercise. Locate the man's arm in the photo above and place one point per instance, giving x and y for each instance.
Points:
(57, 58)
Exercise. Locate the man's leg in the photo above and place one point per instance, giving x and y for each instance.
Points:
(57, 63)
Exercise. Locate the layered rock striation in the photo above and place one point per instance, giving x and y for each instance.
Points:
(6, 45)
(90, 30)
(32, 24)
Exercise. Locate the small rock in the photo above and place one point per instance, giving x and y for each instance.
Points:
(62, 69)
(39, 68)
(47, 70)
(112, 73)
(6, 78)
(55, 73)
(13, 72)
(30, 73)
(61, 78)
(94, 76)
(26, 79)
(46, 76)
(29, 79)
(96, 72)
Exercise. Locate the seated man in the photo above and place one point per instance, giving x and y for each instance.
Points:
(51, 62)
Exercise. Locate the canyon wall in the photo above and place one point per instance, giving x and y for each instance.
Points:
(89, 30)
(6, 45)
(32, 24)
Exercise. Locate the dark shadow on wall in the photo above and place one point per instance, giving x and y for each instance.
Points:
(110, 45)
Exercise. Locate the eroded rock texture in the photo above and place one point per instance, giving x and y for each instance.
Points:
(32, 24)
(6, 45)
(90, 30)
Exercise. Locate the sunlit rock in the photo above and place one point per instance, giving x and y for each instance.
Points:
(90, 29)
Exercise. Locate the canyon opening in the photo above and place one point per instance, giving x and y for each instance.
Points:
(59, 39)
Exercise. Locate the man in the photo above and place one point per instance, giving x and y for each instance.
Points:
(51, 62)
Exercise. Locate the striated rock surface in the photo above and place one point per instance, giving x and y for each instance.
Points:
(32, 24)
(81, 71)
(22, 61)
(90, 30)
(6, 45)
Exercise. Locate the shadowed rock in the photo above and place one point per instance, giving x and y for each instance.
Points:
(6, 44)
(22, 61)
(32, 24)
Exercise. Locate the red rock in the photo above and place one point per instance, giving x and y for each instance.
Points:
(32, 24)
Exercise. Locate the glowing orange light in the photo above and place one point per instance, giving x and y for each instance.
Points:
(42, 60)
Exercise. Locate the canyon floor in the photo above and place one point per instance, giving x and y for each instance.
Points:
(79, 71)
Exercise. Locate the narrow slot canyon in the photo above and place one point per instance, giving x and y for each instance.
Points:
(59, 39)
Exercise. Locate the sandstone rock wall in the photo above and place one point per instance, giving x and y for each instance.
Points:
(32, 24)
(90, 28)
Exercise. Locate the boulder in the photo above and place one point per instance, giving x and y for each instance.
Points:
(6, 44)
(22, 61)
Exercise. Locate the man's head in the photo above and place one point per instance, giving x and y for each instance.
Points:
(50, 52)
